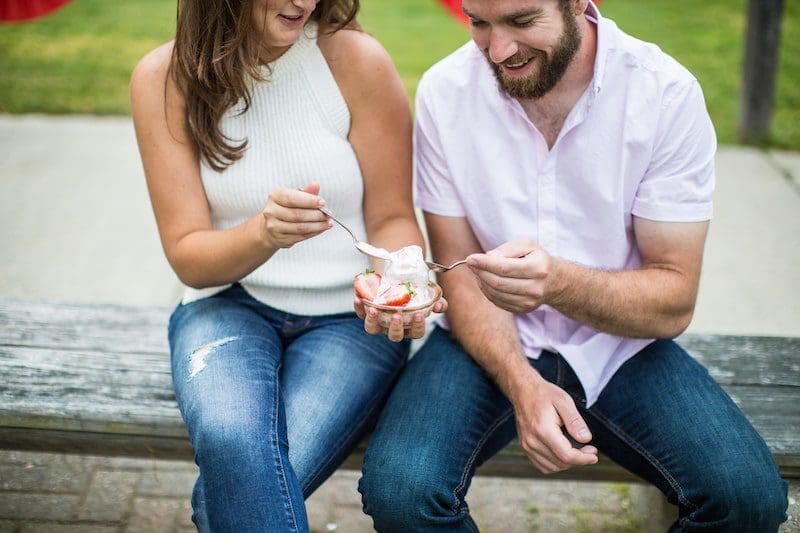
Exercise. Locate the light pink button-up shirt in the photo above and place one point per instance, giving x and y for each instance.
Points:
(639, 142)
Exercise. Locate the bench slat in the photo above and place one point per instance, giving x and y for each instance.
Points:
(98, 327)
(118, 329)
(96, 379)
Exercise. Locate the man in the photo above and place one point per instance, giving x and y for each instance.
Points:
(581, 160)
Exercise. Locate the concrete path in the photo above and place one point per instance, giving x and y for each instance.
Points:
(75, 224)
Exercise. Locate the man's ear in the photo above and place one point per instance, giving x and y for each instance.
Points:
(579, 7)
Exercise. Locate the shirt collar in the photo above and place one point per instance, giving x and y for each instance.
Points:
(604, 38)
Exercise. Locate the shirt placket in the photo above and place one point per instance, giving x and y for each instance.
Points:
(547, 233)
(547, 205)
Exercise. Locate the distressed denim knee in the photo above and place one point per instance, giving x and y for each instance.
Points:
(225, 370)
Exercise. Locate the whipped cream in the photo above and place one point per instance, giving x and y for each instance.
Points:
(406, 265)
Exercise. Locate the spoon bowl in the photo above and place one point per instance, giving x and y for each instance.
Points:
(363, 247)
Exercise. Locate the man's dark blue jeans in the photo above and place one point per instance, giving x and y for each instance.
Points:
(662, 416)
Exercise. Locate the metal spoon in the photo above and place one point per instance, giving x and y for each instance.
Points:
(363, 247)
(436, 267)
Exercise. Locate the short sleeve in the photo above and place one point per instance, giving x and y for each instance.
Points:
(435, 190)
(679, 181)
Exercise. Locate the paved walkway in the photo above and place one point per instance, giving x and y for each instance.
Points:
(75, 224)
(56, 493)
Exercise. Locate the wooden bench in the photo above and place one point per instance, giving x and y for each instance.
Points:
(95, 379)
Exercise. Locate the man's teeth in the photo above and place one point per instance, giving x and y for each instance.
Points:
(517, 65)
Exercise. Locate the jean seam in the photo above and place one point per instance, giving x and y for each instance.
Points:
(276, 444)
(356, 428)
(471, 461)
(645, 454)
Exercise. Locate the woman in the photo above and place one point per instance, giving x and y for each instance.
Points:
(258, 113)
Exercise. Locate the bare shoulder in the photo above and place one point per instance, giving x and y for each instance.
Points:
(151, 71)
(156, 102)
(359, 63)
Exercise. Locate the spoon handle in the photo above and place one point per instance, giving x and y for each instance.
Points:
(327, 212)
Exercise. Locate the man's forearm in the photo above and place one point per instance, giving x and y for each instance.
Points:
(651, 302)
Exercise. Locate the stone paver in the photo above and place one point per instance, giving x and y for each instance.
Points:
(39, 506)
(66, 473)
(54, 527)
(22, 478)
(109, 495)
(154, 515)
(793, 523)
(159, 483)
(147, 495)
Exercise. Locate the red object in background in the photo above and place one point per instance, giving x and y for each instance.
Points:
(24, 10)
(454, 7)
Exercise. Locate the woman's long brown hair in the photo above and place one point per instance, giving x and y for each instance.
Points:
(214, 62)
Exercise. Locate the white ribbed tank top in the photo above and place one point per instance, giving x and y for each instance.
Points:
(297, 127)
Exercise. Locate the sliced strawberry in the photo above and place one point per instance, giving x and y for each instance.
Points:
(366, 285)
(398, 296)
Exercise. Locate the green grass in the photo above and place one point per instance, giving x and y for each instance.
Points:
(79, 59)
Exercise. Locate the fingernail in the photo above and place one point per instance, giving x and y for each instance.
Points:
(321, 202)
(584, 434)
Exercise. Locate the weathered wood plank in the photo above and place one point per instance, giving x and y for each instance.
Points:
(100, 327)
(747, 360)
(131, 395)
(509, 463)
(116, 329)
(96, 379)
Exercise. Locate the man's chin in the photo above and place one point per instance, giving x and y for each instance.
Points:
(526, 88)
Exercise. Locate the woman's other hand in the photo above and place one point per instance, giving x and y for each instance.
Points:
(395, 332)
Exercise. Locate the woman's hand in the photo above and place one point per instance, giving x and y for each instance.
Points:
(395, 332)
(292, 216)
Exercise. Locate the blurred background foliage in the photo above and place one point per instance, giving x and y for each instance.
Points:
(79, 59)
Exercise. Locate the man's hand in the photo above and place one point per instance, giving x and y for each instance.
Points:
(395, 332)
(541, 413)
(515, 276)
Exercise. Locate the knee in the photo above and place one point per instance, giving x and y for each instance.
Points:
(219, 439)
(750, 502)
(402, 494)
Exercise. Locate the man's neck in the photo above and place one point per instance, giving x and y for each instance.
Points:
(549, 112)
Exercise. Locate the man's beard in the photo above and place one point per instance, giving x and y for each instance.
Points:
(551, 70)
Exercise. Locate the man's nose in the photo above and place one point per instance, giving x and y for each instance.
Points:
(501, 46)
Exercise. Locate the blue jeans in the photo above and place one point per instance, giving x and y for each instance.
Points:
(662, 417)
(273, 402)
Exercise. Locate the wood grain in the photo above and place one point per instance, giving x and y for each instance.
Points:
(96, 379)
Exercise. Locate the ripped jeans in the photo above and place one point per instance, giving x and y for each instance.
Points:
(273, 402)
